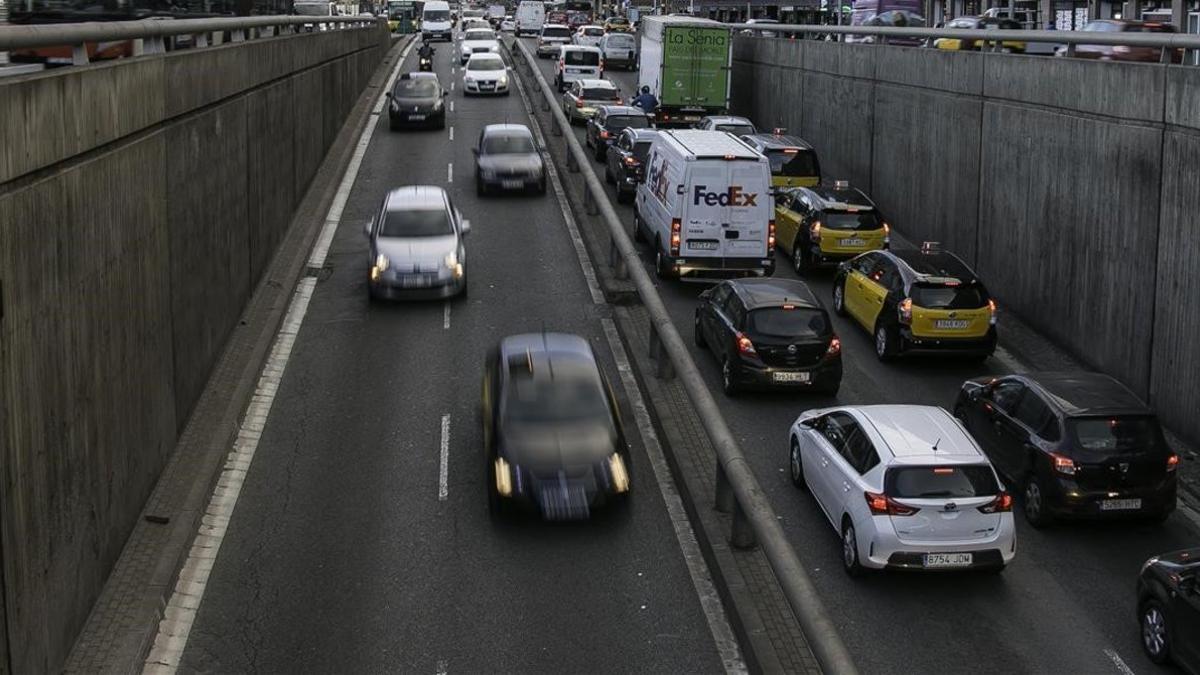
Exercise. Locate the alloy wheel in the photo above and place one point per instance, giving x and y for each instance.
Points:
(1033, 501)
(1154, 631)
(849, 548)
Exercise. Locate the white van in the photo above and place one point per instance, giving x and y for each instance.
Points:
(706, 206)
(435, 20)
(530, 17)
(577, 63)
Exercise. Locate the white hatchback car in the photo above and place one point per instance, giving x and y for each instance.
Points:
(905, 486)
(588, 36)
(478, 41)
(485, 74)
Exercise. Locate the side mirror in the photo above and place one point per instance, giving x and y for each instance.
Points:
(706, 294)
(367, 228)
(466, 226)
(387, 94)
(475, 151)
(445, 93)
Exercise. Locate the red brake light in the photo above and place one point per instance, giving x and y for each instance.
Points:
(1063, 464)
(676, 226)
(835, 347)
(883, 505)
(771, 234)
(992, 312)
(943, 472)
(603, 133)
(1001, 504)
(744, 344)
(578, 103)
(814, 232)
(905, 311)
(630, 161)
(1172, 462)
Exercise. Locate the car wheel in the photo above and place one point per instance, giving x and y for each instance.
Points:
(885, 342)
(1035, 503)
(1156, 637)
(728, 384)
(697, 334)
(799, 263)
(839, 298)
(637, 227)
(796, 464)
(599, 154)
(661, 267)
(850, 550)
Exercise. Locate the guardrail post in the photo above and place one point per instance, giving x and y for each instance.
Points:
(741, 534)
(239, 35)
(1071, 49)
(723, 499)
(79, 55)
(663, 369)
(617, 261)
(1166, 55)
(572, 163)
(201, 39)
(589, 202)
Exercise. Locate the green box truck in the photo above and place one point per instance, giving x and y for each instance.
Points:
(686, 63)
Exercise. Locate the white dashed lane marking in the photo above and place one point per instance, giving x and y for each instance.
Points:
(444, 466)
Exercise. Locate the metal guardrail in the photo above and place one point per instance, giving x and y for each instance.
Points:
(149, 35)
(737, 490)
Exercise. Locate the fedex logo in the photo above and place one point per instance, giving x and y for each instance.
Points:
(733, 197)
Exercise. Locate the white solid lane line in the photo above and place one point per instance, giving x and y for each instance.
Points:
(442, 667)
(451, 133)
(451, 86)
(451, 104)
(446, 316)
(450, 172)
(1116, 659)
(444, 467)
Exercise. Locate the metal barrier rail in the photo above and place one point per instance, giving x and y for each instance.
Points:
(737, 489)
(149, 34)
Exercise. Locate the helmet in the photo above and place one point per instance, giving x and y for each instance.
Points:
(645, 89)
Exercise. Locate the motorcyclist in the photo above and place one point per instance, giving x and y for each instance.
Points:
(426, 50)
(645, 100)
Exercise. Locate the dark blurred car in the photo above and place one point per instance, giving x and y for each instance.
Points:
(603, 127)
(416, 100)
(1169, 608)
(1123, 52)
(980, 23)
(893, 18)
(769, 333)
(552, 435)
(1079, 444)
(626, 161)
(417, 246)
(507, 158)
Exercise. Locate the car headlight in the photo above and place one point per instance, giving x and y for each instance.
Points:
(504, 479)
(620, 476)
(451, 259)
(503, 80)
(381, 265)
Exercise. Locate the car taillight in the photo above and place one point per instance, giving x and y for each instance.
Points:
(992, 312)
(835, 347)
(744, 344)
(771, 234)
(1063, 464)
(814, 232)
(676, 227)
(603, 134)
(630, 161)
(904, 310)
(1172, 462)
(1001, 504)
(578, 103)
(883, 505)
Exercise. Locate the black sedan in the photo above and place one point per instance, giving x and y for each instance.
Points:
(626, 161)
(552, 435)
(1169, 608)
(769, 333)
(1078, 444)
(416, 101)
(610, 120)
(507, 158)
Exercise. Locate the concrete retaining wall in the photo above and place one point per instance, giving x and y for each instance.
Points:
(140, 202)
(1072, 186)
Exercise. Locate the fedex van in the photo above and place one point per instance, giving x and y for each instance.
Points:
(705, 204)
(435, 20)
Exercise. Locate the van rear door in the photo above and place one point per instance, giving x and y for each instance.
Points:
(704, 218)
(751, 211)
(727, 209)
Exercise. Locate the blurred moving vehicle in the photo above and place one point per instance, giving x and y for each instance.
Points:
(619, 51)
(738, 126)
(793, 161)
(1124, 52)
(478, 41)
(552, 37)
(769, 333)
(1079, 444)
(980, 23)
(577, 63)
(1168, 595)
(417, 246)
(531, 16)
(485, 74)
(625, 164)
(758, 32)
(828, 223)
(617, 24)
(416, 99)
(583, 97)
(905, 486)
(435, 20)
(604, 127)
(552, 435)
(507, 158)
(588, 36)
(924, 300)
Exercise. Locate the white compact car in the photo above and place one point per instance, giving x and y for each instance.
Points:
(588, 36)
(478, 41)
(508, 26)
(485, 74)
(905, 486)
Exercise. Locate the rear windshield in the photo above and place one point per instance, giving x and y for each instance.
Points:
(599, 93)
(472, 13)
(421, 88)
(558, 32)
(949, 297)
(738, 130)
(622, 41)
(437, 15)
(1115, 434)
(933, 482)
(787, 323)
(578, 57)
(480, 35)
(793, 162)
(1151, 28)
(562, 399)
(641, 149)
(851, 221)
(485, 63)
(508, 144)
(616, 123)
(593, 32)
(424, 223)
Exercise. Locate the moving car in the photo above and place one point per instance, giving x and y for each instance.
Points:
(416, 100)
(904, 486)
(1124, 52)
(577, 63)
(588, 36)
(1079, 444)
(924, 300)
(583, 98)
(531, 15)
(769, 333)
(828, 223)
(1169, 608)
(485, 74)
(508, 25)
(607, 123)
(552, 37)
(507, 158)
(552, 437)
(980, 23)
(721, 188)
(435, 20)
(478, 41)
(619, 51)
(793, 161)
(738, 126)
(417, 246)
(617, 24)
(626, 161)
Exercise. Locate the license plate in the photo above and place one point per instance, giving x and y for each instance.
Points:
(1120, 504)
(511, 184)
(416, 118)
(951, 324)
(414, 280)
(852, 242)
(487, 87)
(574, 70)
(948, 559)
(790, 377)
(703, 245)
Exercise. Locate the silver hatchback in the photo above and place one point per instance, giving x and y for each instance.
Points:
(417, 247)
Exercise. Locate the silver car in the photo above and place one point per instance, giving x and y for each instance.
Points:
(508, 159)
(416, 246)
(583, 97)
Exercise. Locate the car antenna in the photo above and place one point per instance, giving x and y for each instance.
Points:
(935, 443)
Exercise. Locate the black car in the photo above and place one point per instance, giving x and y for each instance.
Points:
(552, 435)
(416, 100)
(1078, 444)
(626, 161)
(507, 158)
(828, 223)
(1169, 608)
(610, 120)
(769, 333)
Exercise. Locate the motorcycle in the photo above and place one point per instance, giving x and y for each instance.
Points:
(425, 64)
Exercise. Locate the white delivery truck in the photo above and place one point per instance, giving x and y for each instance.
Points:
(705, 205)
(686, 62)
(530, 17)
(435, 20)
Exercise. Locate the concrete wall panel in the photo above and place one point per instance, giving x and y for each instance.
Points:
(954, 72)
(837, 122)
(1183, 90)
(1077, 85)
(271, 187)
(849, 60)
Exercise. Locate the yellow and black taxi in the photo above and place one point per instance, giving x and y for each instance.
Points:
(925, 300)
(829, 223)
(980, 23)
(793, 161)
(617, 24)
